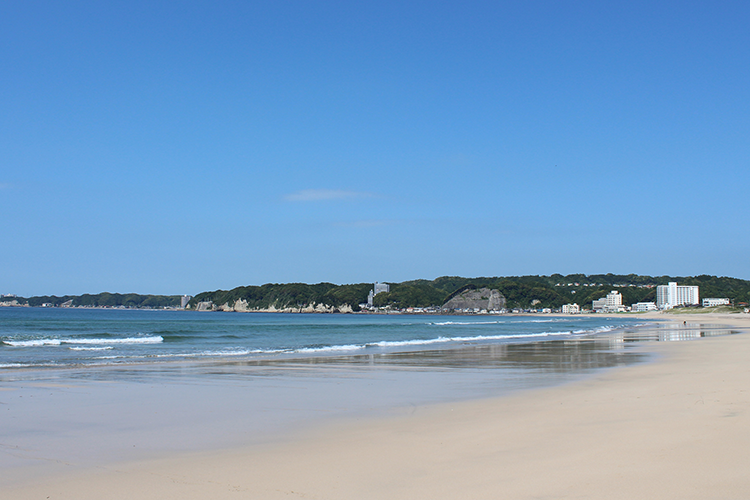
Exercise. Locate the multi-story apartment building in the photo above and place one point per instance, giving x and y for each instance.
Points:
(571, 309)
(611, 303)
(672, 295)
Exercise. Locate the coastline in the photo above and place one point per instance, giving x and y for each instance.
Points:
(672, 428)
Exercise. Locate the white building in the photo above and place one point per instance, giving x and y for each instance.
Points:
(672, 295)
(611, 303)
(715, 302)
(571, 309)
(614, 299)
(376, 289)
(643, 307)
(184, 301)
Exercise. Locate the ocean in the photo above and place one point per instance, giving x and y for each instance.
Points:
(53, 337)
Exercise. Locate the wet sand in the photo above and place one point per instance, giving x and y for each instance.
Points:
(673, 428)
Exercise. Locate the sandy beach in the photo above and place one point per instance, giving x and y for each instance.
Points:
(677, 427)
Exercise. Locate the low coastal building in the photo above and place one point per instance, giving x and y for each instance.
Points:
(571, 309)
(643, 307)
(674, 295)
(715, 302)
(609, 304)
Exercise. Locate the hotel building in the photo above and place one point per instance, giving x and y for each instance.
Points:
(611, 303)
(672, 295)
(571, 309)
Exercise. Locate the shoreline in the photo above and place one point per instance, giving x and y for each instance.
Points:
(347, 309)
(604, 436)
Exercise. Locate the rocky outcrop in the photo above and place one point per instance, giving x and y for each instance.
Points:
(482, 299)
(242, 306)
(12, 303)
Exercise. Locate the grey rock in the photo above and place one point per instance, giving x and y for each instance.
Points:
(484, 298)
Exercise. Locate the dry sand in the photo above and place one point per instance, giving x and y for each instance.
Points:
(675, 428)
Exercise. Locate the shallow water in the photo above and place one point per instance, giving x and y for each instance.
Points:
(34, 337)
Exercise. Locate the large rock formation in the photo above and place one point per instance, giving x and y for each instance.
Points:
(484, 298)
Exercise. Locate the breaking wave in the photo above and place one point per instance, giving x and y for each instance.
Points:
(155, 339)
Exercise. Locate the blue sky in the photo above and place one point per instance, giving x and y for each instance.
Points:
(173, 147)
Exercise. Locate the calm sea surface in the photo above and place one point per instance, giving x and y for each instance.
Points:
(39, 337)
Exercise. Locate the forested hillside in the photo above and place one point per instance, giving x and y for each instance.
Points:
(522, 292)
(105, 299)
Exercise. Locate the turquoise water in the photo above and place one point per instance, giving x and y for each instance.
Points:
(36, 337)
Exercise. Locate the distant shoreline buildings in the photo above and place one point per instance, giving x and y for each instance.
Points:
(668, 297)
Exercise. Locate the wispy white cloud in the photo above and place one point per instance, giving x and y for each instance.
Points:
(326, 195)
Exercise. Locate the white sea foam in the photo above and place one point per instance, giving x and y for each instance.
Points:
(603, 329)
(269, 351)
(513, 336)
(31, 343)
(442, 340)
(437, 340)
(331, 348)
(29, 365)
(105, 348)
(501, 322)
(227, 352)
(552, 320)
(448, 323)
(238, 352)
(399, 343)
(154, 339)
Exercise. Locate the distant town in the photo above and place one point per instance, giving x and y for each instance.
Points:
(668, 297)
